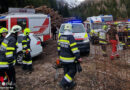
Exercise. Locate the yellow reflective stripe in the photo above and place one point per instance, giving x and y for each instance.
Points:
(9, 53)
(10, 48)
(66, 41)
(59, 35)
(16, 43)
(4, 44)
(58, 43)
(103, 42)
(86, 35)
(24, 41)
(69, 58)
(66, 75)
(29, 49)
(128, 36)
(14, 61)
(4, 63)
(58, 48)
(24, 45)
(73, 44)
(28, 62)
(74, 49)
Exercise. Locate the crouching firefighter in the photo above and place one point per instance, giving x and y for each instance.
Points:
(27, 60)
(69, 56)
(8, 55)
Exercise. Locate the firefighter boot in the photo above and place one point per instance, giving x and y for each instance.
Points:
(24, 67)
(117, 56)
(63, 86)
(30, 69)
(72, 85)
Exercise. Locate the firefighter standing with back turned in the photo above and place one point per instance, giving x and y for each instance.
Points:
(103, 39)
(8, 50)
(69, 54)
(27, 60)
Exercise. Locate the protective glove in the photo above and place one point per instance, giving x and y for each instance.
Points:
(78, 67)
(27, 51)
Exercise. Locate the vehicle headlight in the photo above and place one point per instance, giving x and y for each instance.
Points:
(86, 40)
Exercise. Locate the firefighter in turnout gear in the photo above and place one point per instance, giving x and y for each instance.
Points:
(27, 60)
(8, 54)
(3, 33)
(128, 37)
(69, 54)
(102, 39)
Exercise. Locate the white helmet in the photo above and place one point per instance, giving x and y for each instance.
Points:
(16, 28)
(68, 26)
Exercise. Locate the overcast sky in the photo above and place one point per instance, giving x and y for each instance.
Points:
(74, 2)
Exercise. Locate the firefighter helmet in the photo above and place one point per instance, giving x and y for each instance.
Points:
(105, 27)
(68, 26)
(16, 28)
(27, 31)
(3, 30)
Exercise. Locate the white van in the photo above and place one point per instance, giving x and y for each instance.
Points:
(39, 24)
(80, 36)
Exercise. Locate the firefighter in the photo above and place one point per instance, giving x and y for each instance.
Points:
(3, 33)
(113, 38)
(93, 36)
(102, 39)
(8, 54)
(122, 36)
(128, 37)
(27, 60)
(69, 54)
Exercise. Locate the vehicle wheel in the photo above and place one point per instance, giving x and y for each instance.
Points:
(19, 58)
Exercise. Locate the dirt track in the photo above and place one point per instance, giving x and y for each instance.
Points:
(98, 73)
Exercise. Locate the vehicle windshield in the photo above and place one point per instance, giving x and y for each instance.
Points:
(76, 28)
(96, 26)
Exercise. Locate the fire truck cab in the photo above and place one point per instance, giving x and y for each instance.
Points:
(39, 24)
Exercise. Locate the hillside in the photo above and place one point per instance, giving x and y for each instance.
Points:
(120, 9)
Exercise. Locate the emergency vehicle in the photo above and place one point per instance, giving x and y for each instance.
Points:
(94, 25)
(96, 22)
(39, 24)
(79, 34)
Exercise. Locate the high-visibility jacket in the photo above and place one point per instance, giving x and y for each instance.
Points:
(26, 43)
(92, 32)
(67, 49)
(8, 52)
(128, 33)
(102, 37)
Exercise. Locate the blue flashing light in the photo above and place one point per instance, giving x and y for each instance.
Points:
(110, 15)
(128, 20)
(2, 17)
(74, 21)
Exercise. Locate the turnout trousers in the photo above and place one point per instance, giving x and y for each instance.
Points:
(69, 73)
(27, 62)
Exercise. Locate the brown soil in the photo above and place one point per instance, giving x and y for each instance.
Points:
(98, 73)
